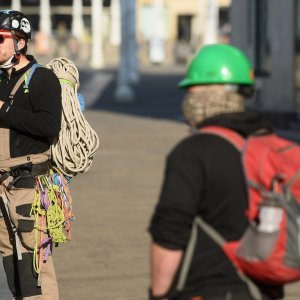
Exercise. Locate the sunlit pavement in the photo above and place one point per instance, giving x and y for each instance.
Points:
(113, 201)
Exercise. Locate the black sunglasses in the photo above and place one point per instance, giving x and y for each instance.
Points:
(4, 36)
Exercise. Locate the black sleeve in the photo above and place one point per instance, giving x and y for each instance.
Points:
(45, 96)
(181, 192)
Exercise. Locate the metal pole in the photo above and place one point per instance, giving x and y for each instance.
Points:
(157, 41)
(158, 22)
(199, 29)
(16, 5)
(115, 36)
(134, 76)
(212, 22)
(45, 17)
(97, 60)
(77, 21)
(124, 91)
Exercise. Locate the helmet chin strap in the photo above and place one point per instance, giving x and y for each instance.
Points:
(17, 51)
(10, 62)
(14, 59)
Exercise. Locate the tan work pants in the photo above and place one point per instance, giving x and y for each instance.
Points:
(22, 279)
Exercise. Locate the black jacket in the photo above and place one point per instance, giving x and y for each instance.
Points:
(204, 176)
(34, 118)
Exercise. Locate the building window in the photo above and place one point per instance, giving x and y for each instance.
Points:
(184, 28)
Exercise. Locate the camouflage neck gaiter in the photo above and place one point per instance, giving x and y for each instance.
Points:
(210, 102)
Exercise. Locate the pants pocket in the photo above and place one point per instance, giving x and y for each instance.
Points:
(20, 202)
(27, 232)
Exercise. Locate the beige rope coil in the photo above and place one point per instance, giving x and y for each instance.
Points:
(73, 151)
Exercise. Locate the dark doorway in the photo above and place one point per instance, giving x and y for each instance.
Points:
(184, 31)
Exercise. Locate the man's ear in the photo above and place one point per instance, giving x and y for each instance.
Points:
(21, 44)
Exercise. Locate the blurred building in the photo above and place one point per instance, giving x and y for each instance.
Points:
(269, 32)
(168, 31)
(65, 38)
(175, 26)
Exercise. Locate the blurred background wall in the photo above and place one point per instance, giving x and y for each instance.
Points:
(169, 32)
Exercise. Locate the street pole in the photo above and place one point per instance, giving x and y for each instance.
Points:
(124, 91)
(157, 41)
(42, 38)
(97, 60)
(134, 76)
(211, 22)
(115, 36)
(77, 21)
(159, 21)
(45, 17)
(16, 5)
(199, 26)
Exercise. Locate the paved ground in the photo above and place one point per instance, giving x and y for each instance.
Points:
(113, 201)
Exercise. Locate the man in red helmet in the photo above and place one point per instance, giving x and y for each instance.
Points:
(29, 120)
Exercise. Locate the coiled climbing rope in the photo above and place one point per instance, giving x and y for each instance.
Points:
(73, 151)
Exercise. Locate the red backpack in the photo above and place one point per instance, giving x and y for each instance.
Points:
(269, 250)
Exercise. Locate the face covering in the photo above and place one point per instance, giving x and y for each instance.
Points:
(211, 101)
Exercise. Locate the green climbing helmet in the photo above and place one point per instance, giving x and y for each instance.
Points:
(219, 64)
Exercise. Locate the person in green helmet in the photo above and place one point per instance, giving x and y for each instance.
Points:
(204, 177)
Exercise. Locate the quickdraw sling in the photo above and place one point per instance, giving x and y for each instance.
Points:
(52, 209)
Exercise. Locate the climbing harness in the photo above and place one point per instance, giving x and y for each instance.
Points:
(52, 209)
(24, 171)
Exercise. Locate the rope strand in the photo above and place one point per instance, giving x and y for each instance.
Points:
(73, 151)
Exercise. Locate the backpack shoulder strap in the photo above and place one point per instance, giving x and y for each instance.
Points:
(231, 136)
(14, 90)
(220, 241)
(29, 74)
(25, 78)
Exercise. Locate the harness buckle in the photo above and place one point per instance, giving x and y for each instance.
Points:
(27, 170)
